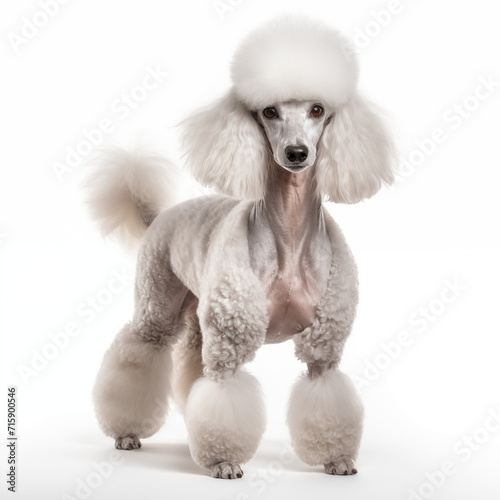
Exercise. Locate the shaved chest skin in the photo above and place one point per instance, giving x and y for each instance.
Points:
(293, 296)
(294, 280)
(290, 251)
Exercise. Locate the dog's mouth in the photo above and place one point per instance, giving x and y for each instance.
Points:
(294, 168)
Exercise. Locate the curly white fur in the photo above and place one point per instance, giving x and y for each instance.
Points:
(225, 419)
(322, 343)
(198, 285)
(130, 395)
(187, 363)
(325, 416)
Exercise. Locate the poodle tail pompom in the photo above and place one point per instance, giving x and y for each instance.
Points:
(127, 190)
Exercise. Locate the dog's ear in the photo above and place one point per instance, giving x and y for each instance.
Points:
(355, 155)
(225, 149)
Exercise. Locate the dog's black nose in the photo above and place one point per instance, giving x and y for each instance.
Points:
(296, 154)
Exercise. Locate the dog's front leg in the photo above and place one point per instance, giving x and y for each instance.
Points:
(225, 414)
(325, 414)
(326, 419)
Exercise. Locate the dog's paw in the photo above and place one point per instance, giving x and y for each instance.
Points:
(342, 466)
(130, 442)
(226, 470)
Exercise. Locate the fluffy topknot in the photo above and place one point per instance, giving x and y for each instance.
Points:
(294, 57)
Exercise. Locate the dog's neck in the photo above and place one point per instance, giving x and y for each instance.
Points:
(290, 250)
(293, 210)
(291, 215)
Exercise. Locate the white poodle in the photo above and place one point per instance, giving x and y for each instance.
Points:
(264, 262)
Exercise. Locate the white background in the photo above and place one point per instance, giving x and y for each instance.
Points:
(438, 223)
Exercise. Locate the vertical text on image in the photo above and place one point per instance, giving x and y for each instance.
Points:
(12, 458)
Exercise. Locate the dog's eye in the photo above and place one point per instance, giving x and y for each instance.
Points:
(270, 112)
(317, 111)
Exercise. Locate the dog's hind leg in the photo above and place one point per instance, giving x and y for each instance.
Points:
(130, 393)
(187, 360)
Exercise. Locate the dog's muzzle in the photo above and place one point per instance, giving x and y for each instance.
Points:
(296, 154)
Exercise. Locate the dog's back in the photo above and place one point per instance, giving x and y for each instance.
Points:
(183, 233)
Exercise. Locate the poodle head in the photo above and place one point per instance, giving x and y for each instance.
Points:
(293, 129)
(293, 103)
